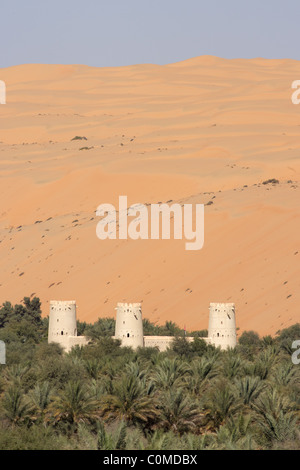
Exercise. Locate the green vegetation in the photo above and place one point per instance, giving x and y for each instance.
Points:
(105, 397)
(271, 181)
(78, 137)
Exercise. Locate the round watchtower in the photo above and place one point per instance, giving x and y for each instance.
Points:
(129, 324)
(62, 321)
(221, 325)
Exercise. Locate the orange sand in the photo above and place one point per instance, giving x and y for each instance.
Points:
(206, 129)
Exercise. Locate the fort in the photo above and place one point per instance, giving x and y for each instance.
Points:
(62, 327)
(129, 326)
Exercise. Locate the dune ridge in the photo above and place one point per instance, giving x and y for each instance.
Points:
(205, 130)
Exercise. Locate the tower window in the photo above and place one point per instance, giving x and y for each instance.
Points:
(61, 332)
(127, 335)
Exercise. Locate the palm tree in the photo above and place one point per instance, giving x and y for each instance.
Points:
(236, 434)
(162, 440)
(264, 362)
(286, 374)
(99, 387)
(232, 365)
(169, 373)
(75, 404)
(275, 418)
(267, 341)
(17, 407)
(249, 388)
(171, 328)
(40, 398)
(16, 373)
(202, 371)
(93, 367)
(213, 353)
(137, 370)
(178, 412)
(192, 441)
(219, 405)
(111, 441)
(131, 400)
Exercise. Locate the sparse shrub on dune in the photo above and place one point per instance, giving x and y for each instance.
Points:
(78, 137)
(271, 181)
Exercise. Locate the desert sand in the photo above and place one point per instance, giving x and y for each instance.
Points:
(205, 130)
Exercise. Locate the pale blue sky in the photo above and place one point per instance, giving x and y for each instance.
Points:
(125, 32)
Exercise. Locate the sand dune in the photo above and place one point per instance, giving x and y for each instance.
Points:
(206, 130)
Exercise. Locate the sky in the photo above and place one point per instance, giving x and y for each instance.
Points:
(125, 32)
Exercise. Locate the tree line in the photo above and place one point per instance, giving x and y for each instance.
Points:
(107, 397)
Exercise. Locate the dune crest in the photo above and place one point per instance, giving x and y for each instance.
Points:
(205, 130)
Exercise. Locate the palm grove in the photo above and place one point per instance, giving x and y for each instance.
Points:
(105, 397)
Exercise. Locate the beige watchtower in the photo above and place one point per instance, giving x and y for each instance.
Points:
(129, 324)
(63, 325)
(221, 325)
